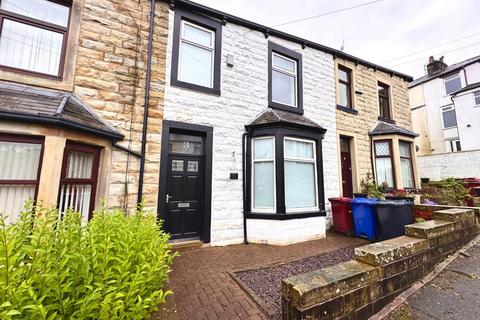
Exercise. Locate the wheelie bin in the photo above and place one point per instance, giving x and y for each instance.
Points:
(392, 216)
(364, 218)
(342, 215)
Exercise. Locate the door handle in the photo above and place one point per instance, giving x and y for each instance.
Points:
(167, 198)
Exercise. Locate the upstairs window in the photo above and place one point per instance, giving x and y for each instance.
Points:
(384, 100)
(196, 53)
(449, 117)
(33, 36)
(285, 79)
(452, 83)
(345, 87)
(476, 96)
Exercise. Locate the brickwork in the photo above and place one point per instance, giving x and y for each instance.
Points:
(358, 125)
(110, 77)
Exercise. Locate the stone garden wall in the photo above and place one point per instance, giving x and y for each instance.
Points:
(359, 288)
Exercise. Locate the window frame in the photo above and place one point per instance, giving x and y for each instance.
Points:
(4, 14)
(450, 77)
(476, 94)
(389, 102)
(18, 138)
(202, 22)
(93, 181)
(389, 156)
(452, 143)
(314, 161)
(410, 144)
(252, 208)
(348, 84)
(283, 52)
(447, 109)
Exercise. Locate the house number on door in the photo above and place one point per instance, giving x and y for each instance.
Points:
(184, 205)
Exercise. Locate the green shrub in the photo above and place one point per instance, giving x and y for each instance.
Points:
(114, 267)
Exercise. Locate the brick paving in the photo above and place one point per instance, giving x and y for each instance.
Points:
(204, 290)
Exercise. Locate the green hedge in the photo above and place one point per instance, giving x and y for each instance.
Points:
(114, 267)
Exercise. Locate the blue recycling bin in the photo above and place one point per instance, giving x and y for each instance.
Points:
(364, 218)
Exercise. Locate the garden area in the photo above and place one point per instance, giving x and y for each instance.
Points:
(113, 267)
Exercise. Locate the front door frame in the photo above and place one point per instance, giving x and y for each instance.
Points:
(207, 133)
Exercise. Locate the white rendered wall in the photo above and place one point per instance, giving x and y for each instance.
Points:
(468, 121)
(244, 95)
(462, 164)
(282, 232)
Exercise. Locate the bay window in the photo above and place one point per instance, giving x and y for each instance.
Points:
(33, 36)
(406, 164)
(284, 173)
(300, 175)
(196, 52)
(78, 182)
(20, 162)
(384, 163)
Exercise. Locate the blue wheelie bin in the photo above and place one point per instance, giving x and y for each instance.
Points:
(364, 218)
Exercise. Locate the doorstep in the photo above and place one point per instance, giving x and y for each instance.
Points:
(187, 243)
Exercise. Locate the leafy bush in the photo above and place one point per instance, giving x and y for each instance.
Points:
(114, 267)
(454, 191)
(370, 187)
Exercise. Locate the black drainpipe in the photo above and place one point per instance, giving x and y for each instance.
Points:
(244, 175)
(147, 101)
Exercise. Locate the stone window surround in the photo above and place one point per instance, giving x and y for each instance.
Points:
(291, 54)
(208, 23)
(397, 174)
(55, 140)
(66, 82)
(279, 134)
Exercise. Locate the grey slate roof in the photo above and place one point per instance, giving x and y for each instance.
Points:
(449, 69)
(38, 105)
(466, 88)
(275, 116)
(382, 128)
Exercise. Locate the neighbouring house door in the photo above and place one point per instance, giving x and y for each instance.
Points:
(185, 194)
(346, 163)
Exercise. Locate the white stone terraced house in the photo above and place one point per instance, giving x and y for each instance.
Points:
(249, 138)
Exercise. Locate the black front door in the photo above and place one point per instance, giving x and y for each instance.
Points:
(185, 188)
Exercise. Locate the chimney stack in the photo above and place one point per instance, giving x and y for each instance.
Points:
(435, 65)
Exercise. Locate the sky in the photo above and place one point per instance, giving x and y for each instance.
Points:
(398, 34)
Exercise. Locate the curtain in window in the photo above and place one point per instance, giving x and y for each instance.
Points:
(406, 165)
(263, 174)
(43, 10)
(77, 195)
(19, 164)
(30, 48)
(300, 186)
(384, 171)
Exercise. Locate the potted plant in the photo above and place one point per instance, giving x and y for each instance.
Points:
(400, 195)
(370, 189)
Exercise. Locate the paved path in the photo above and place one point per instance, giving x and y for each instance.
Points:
(203, 289)
(454, 294)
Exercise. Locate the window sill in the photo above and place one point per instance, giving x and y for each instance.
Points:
(284, 107)
(386, 120)
(195, 87)
(285, 216)
(347, 109)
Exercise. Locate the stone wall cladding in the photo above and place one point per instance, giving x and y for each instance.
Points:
(110, 77)
(358, 126)
(244, 95)
(445, 165)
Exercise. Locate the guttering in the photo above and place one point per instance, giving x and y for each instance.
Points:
(146, 101)
(225, 17)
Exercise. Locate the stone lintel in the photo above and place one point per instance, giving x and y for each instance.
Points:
(321, 285)
(432, 228)
(388, 251)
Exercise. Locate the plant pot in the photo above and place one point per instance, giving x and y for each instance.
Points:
(360, 195)
(425, 180)
(411, 199)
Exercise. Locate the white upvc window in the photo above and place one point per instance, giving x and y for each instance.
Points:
(263, 175)
(197, 54)
(284, 80)
(449, 119)
(300, 173)
(453, 145)
(476, 97)
(452, 83)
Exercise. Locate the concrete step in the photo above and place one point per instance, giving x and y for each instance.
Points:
(453, 215)
(388, 251)
(432, 228)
